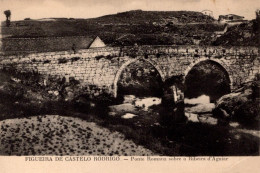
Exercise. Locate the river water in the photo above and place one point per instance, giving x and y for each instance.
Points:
(196, 109)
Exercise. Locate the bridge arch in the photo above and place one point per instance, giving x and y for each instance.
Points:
(120, 70)
(217, 61)
(220, 65)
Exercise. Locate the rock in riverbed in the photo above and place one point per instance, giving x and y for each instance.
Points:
(242, 105)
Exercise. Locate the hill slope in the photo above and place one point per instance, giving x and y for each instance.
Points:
(122, 29)
(141, 17)
(110, 23)
(245, 34)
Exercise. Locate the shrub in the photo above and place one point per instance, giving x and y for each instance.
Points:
(62, 60)
(46, 61)
(75, 59)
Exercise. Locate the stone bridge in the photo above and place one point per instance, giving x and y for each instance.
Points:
(102, 67)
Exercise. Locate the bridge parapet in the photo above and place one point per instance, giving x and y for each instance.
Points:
(145, 50)
(191, 50)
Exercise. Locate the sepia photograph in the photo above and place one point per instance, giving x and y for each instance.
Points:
(134, 78)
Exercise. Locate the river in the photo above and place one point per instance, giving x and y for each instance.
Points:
(196, 109)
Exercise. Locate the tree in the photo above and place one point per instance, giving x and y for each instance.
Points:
(7, 15)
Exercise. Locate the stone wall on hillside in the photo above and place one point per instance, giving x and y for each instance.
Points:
(43, 44)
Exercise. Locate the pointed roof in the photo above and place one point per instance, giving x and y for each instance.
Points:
(97, 42)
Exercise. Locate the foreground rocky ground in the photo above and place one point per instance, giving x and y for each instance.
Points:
(86, 127)
(57, 135)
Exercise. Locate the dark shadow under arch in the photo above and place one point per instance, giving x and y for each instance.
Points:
(140, 78)
(120, 70)
(207, 77)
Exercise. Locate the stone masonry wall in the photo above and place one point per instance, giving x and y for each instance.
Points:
(102, 67)
(43, 44)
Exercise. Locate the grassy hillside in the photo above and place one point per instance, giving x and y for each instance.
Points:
(127, 28)
(141, 17)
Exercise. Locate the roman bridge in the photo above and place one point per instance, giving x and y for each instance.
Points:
(102, 67)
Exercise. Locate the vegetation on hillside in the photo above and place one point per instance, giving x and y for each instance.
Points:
(138, 27)
(245, 34)
(141, 17)
(127, 28)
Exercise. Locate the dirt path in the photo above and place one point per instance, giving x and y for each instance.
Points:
(58, 135)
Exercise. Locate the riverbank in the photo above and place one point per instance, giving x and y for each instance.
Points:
(177, 139)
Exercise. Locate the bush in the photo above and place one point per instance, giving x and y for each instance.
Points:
(62, 60)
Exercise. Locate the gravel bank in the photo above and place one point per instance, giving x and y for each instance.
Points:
(58, 135)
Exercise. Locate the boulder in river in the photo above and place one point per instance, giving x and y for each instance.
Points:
(129, 99)
(192, 117)
(242, 105)
(147, 102)
(203, 99)
(201, 108)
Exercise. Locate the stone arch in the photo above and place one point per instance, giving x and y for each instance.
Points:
(217, 61)
(120, 70)
(222, 66)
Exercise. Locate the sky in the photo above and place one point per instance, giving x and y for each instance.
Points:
(37, 9)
